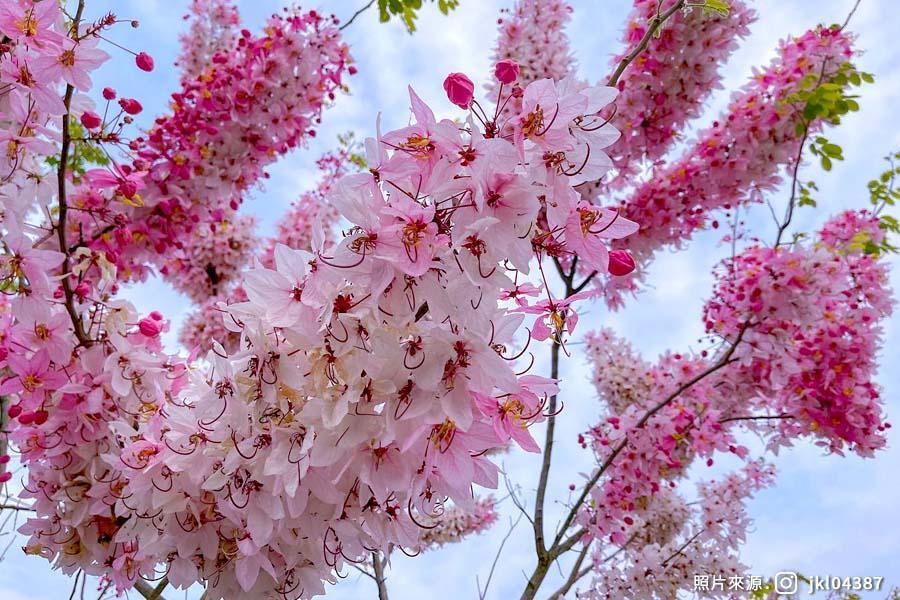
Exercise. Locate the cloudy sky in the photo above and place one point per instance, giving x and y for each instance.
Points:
(826, 516)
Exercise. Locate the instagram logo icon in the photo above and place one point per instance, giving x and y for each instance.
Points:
(785, 583)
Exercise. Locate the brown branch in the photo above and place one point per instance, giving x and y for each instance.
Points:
(538, 521)
(356, 14)
(83, 338)
(148, 591)
(723, 361)
(652, 26)
(380, 580)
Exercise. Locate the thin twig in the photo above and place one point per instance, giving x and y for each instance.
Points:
(652, 26)
(356, 14)
(850, 16)
(483, 593)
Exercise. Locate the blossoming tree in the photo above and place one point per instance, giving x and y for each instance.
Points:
(347, 386)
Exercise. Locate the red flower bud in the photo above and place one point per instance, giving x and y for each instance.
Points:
(91, 120)
(4, 477)
(131, 106)
(620, 262)
(150, 327)
(144, 61)
(460, 89)
(40, 417)
(109, 93)
(506, 71)
(14, 411)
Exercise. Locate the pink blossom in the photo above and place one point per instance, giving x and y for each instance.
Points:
(460, 89)
(144, 61)
(506, 71)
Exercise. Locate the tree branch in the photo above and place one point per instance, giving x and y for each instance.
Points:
(380, 580)
(652, 26)
(356, 14)
(63, 206)
(573, 512)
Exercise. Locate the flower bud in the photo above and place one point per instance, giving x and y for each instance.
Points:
(91, 120)
(131, 106)
(150, 327)
(460, 89)
(506, 71)
(109, 93)
(4, 477)
(620, 262)
(144, 61)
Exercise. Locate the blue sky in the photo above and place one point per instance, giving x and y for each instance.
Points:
(826, 516)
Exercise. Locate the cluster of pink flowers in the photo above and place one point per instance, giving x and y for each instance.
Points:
(665, 87)
(693, 541)
(735, 159)
(801, 327)
(621, 377)
(312, 212)
(455, 524)
(218, 253)
(815, 315)
(372, 379)
(209, 323)
(309, 216)
(213, 30)
(252, 103)
(532, 35)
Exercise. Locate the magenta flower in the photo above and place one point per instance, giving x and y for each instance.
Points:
(506, 71)
(460, 89)
(144, 61)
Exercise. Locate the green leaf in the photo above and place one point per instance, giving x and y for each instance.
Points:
(718, 6)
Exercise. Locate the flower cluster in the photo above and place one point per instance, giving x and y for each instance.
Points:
(801, 327)
(209, 324)
(620, 376)
(532, 36)
(215, 256)
(815, 331)
(310, 216)
(253, 103)
(371, 381)
(456, 524)
(702, 540)
(213, 30)
(665, 87)
(735, 159)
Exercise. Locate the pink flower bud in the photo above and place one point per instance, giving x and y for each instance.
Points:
(506, 71)
(4, 459)
(109, 93)
(131, 106)
(150, 327)
(4, 477)
(156, 315)
(144, 61)
(91, 120)
(82, 289)
(460, 89)
(620, 262)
